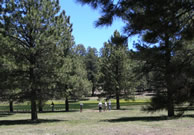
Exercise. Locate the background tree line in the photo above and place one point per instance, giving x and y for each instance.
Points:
(165, 54)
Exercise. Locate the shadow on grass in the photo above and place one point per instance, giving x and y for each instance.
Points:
(185, 109)
(27, 121)
(15, 112)
(59, 111)
(123, 109)
(5, 114)
(145, 118)
(188, 115)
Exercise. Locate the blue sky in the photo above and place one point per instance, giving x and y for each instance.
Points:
(84, 30)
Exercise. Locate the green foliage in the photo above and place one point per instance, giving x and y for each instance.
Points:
(162, 25)
(72, 77)
(147, 16)
(92, 67)
(8, 81)
(178, 79)
(41, 35)
(80, 50)
(116, 68)
(77, 83)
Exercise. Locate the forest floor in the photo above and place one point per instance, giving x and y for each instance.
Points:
(130, 120)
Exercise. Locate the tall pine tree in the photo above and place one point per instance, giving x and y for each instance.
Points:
(92, 67)
(116, 68)
(37, 29)
(72, 82)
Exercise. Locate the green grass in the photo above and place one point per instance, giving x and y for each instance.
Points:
(60, 106)
(128, 121)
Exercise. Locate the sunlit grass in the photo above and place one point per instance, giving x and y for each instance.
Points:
(73, 105)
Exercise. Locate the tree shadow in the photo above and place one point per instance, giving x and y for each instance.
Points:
(123, 109)
(185, 109)
(55, 111)
(144, 118)
(27, 121)
(188, 115)
(63, 111)
(5, 114)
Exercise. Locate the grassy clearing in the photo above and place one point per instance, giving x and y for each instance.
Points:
(60, 106)
(128, 121)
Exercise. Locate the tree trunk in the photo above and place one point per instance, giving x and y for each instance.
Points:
(168, 79)
(117, 99)
(40, 106)
(67, 105)
(118, 84)
(93, 90)
(11, 106)
(170, 104)
(34, 115)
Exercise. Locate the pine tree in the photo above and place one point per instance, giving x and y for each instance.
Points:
(72, 82)
(37, 29)
(115, 68)
(178, 89)
(92, 67)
